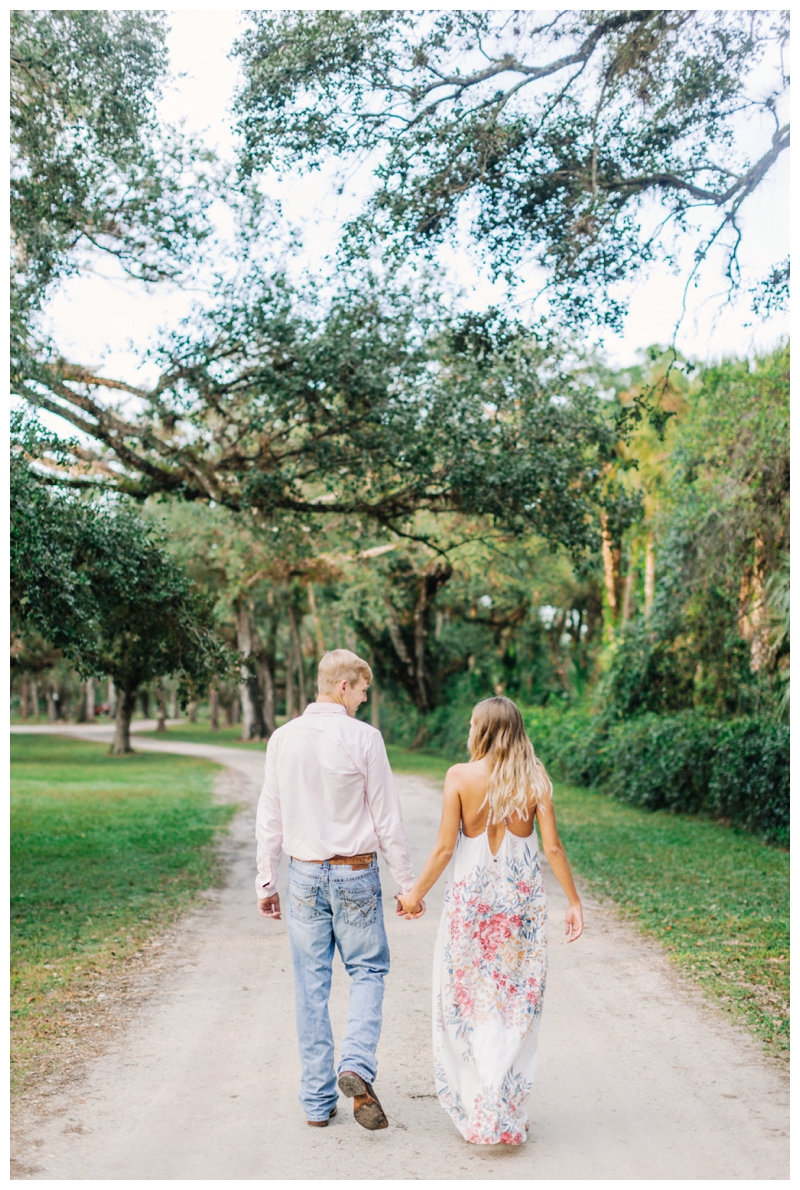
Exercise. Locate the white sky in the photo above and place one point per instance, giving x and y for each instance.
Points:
(105, 320)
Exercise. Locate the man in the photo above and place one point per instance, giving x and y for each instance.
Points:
(328, 801)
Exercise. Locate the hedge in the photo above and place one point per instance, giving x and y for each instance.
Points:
(736, 770)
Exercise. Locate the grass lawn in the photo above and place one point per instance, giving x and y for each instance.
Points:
(104, 851)
(716, 897)
(201, 733)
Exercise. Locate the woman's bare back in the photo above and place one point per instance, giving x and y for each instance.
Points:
(472, 781)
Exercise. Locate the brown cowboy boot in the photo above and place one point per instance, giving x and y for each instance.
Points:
(366, 1106)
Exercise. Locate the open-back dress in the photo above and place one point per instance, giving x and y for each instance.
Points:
(488, 983)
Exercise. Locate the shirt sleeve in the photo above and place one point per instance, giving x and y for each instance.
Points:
(269, 828)
(383, 801)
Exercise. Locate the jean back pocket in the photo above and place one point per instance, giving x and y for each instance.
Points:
(360, 902)
(304, 901)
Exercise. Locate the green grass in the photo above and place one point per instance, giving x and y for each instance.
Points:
(201, 733)
(104, 851)
(715, 897)
(421, 764)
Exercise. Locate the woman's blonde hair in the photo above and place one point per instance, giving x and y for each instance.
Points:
(518, 781)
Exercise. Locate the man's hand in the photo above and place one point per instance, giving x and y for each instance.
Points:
(408, 908)
(270, 907)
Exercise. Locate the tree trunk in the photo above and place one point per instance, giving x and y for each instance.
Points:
(414, 660)
(312, 604)
(52, 705)
(35, 700)
(753, 620)
(253, 726)
(112, 700)
(434, 577)
(649, 575)
(393, 627)
(611, 560)
(267, 678)
(236, 710)
(291, 709)
(228, 709)
(174, 706)
(90, 700)
(627, 598)
(144, 700)
(81, 715)
(298, 659)
(161, 703)
(213, 702)
(191, 710)
(23, 700)
(126, 700)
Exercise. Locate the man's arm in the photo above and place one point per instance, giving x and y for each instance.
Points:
(383, 801)
(269, 838)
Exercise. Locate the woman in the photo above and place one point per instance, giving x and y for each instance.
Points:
(491, 949)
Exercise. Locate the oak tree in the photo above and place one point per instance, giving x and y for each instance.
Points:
(584, 138)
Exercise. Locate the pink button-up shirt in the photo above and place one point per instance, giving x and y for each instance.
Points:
(328, 790)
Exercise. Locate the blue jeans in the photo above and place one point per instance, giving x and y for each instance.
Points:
(330, 904)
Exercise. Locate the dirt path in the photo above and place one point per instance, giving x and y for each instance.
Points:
(638, 1077)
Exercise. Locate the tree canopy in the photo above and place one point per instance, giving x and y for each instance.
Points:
(378, 406)
(91, 166)
(549, 134)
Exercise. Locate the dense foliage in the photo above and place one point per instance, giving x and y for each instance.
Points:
(379, 406)
(95, 583)
(736, 769)
(719, 525)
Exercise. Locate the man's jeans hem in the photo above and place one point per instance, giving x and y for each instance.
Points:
(355, 1068)
(326, 1116)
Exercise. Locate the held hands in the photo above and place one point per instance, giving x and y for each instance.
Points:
(407, 907)
(573, 922)
(270, 907)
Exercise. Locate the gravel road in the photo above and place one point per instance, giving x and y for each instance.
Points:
(638, 1076)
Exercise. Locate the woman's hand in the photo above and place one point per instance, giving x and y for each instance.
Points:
(573, 922)
(408, 906)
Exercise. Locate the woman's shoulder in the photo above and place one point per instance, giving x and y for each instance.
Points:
(466, 772)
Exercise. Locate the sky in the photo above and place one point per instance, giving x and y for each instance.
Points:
(104, 320)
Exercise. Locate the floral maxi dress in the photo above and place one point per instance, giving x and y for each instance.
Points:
(489, 973)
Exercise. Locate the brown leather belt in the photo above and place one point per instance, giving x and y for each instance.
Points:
(355, 861)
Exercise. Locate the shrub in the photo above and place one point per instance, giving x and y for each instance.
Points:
(662, 761)
(750, 778)
(736, 770)
(569, 743)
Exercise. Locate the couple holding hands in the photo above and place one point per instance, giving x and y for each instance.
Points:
(329, 802)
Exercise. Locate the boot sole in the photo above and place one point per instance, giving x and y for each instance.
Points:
(369, 1115)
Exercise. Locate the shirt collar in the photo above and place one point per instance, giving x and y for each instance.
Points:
(325, 708)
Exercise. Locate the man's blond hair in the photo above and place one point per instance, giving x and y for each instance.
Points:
(338, 665)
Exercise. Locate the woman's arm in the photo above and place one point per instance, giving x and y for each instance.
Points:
(557, 858)
(443, 849)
